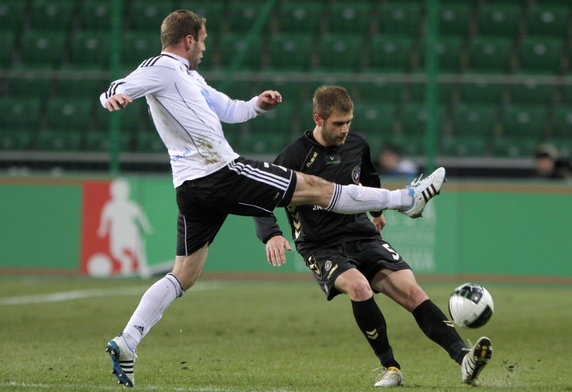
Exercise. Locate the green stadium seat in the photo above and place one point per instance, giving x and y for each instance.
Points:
(450, 49)
(67, 113)
(400, 18)
(414, 118)
(13, 14)
(242, 14)
(446, 92)
(515, 146)
(525, 120)
(20, 113)
(95, 15)
(373, 118)
(390, 53)
(7, 43)
(378, 92)
(532, 92)
(29, 86)
(481, 90)
(147, 15)
(90, 50)
(300, 16)
(53, 15)
(240, 89)
(340, 52)
(16, 139)
(475, 120)
(547, 20)
(41, 49)
(410, 145)
(100, 141)
(290, 52)
(133, 117)
(500, 19)
(262, 142)
(349, 17)
(149, 141)
(234, 44)
(212, 10)
(48, 140)
(541, 55)
(562, 121)
(80, 87)
(490, 54)
(464, 146)
(455, 18)
(138, 46)
(274, 121)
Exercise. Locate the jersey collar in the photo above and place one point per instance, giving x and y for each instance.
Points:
(177, 57)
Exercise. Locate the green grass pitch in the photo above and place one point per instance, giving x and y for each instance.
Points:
(265, 336)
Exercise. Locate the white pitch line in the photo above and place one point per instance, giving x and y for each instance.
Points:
(107, 388)
(90, 293)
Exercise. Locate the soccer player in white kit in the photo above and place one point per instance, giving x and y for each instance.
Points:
(212, 180)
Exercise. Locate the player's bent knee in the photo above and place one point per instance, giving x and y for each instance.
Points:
(360, 290)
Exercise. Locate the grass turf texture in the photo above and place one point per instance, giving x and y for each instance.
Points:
(268, 336)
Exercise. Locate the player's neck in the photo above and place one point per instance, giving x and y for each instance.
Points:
(317, 133)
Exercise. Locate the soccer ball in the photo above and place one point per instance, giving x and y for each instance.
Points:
(471, 305)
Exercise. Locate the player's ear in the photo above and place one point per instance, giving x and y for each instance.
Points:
(318, 120)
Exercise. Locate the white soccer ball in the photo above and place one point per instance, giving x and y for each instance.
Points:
(471, 305)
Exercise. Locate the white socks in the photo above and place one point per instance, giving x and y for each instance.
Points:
(150, 310)
(353, 199)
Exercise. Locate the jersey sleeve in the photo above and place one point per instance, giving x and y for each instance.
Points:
(266, 227)
(233, 111)
(143, 81)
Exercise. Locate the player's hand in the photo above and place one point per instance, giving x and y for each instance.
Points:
(269, 99)
(379, 222)
(275, 250)
(118, 102)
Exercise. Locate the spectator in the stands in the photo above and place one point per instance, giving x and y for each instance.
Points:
(392, 164)
(549, 165)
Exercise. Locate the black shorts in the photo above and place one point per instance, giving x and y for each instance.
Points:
(368, 256)
(243, 187)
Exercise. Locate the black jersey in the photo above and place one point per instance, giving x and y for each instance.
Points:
(349, 163)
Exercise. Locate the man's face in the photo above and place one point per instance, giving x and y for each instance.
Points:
(335, 128)
(196, 53)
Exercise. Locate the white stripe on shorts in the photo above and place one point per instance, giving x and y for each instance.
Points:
(259, 175)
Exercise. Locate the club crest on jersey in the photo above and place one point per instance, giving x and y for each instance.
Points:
(356, 172)
(328, 265)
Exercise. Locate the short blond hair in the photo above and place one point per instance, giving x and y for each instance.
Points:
(328, 99)
(179, 24)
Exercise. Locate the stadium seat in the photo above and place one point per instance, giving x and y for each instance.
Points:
(212, 10)
(414, 118)
(133, 118)
(455, 18)
(100, 141)
(481, 90)
(450, 49)
(138, 46)
(49, 140)
(16, 139)
(242, 14)
(7, 43)
(373, 118)
(401, 18)
(261, 142)
(52, 15)
(90, 50)
(547, 20)
(147, 15)
(349, 17)
(410, 145)
(541, 55)
(95, 15)
(80, 87)
(390, 53)
(67, 113)
(29, 86)
(276, 121)
(500, 19)
(531, 91)
(340, 52)
(20, 113)
(562, 121)
(464, 146)
(416, 92)
(300, 16)
(515, 146)
(490, 54)
(41, 49)
(525, 120)
(290, 52)
(234, 44)
(148, 141)
(471, 119)
(13, 14)
(378, 92)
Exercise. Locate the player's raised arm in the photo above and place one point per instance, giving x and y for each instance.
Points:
(118, 102)
(269, 99)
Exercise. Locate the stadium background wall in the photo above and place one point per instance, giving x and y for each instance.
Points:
(49, 226)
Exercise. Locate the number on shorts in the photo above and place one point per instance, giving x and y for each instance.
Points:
(394, 254)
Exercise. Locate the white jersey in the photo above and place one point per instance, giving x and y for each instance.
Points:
(187, 113)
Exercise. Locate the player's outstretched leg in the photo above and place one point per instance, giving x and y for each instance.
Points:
(476, 359)
(123, 360)
(423, 190)
(389, 377)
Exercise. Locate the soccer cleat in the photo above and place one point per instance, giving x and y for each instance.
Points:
(475, 360)
(423, 190)
(389, 377)
(122, 359)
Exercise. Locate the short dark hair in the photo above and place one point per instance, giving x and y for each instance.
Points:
(328, 99)
(179, 24)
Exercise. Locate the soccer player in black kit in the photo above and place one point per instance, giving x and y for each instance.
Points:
(346, 253)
